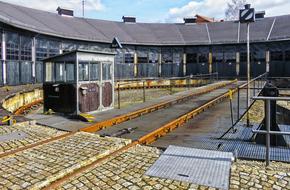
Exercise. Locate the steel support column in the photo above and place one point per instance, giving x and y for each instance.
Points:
(4, 72)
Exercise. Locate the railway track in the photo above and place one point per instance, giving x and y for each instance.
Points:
(203, 100)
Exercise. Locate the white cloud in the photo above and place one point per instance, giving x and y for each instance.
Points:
(51, 5)
(216, 8)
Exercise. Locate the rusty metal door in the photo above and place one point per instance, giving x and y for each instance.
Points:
(107, 84)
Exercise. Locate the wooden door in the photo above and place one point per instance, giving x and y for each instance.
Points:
(89, 97)
(107, 84)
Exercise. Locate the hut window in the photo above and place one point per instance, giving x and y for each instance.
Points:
(48, 72)
(106, 67)
(59, 72)
(94, 71)
(153, 56)
(83, 71)
(70, 72)
(276, 56)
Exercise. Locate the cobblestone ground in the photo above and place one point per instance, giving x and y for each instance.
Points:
(254, 175)
(126, 171)
(37, 167)
(34, 133)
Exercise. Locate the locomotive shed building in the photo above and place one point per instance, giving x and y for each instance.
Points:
(149, 49)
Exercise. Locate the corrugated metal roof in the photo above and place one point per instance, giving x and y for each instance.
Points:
(141, 33)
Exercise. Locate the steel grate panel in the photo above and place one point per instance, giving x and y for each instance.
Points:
(204, 167)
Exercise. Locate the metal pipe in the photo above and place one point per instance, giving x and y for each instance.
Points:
(271, 98)
(271, 132)
(238, 106)
(268, 117)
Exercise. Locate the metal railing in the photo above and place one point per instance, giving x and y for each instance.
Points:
(258, 84)
(268, 132)
(143, 86)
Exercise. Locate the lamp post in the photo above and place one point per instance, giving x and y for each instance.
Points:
(247, 16)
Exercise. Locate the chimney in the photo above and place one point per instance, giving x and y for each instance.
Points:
(129, 19)
(190, 20)
(65, 12)
(260, 14)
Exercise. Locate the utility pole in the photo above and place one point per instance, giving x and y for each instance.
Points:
(248, 72)
(247, 16)
(83, 5)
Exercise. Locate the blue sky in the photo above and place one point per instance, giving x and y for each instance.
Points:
(153, 10)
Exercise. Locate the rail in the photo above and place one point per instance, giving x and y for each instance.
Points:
(110, 122)
(268, 132)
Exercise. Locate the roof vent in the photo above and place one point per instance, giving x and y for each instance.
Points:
(189, 20)
(129, 19)
(260, 14)
(65, 12)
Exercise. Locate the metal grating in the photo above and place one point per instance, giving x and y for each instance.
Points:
(203, 167)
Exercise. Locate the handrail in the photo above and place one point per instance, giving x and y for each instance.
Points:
(268, 132)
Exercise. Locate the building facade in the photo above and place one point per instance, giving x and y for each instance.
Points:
(149, 50)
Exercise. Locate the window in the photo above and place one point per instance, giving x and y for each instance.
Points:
(276, 55)
(153, 56)
(129, 58)
(229, 57)
(107, 75)
(70, 72)
(12, 46)
(94, 71)
(217, 57)
(243, 57)
(41, 49)
(53, 47)
(202, 58)
(26, 48)
(48, 72)
(59, 72)
(142, 55)
(83, 71)
(259, 56)
(191, 58)
(167, 55)
(287, 55)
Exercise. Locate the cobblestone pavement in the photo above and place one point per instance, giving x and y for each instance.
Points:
(126, 171)
(254, 175)
(37, 167)
(34, 133)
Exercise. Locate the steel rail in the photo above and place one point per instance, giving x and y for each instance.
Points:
(120, 119)
(22, 109)
(167, 128)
